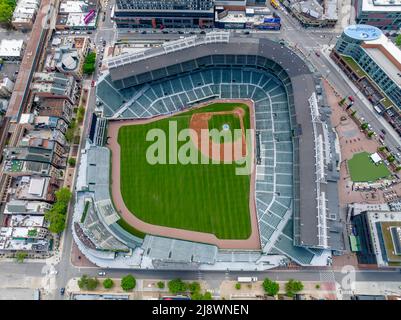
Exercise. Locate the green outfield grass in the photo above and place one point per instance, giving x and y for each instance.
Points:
(362, 168)
(217, 122)
(200, 197)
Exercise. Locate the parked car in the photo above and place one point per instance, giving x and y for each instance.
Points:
(101, 273)
(383, 131)
(62, 291)
(93, 83)
(317, 53)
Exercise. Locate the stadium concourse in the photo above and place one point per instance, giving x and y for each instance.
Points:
(294, 147)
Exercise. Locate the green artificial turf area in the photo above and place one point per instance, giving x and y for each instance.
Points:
(200, 197)
(218, 121)
(362, 168)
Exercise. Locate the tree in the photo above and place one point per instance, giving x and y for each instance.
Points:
(293, 286)
(80, 114)
(317, 286)
(194, 287)
(398, 40)
(92, 284)
(89, 63)
(207, 296)
(128, 283)
(87, 283)
(238, 286)
(72, 162)
(161, 285)
(108, 283)
(57, 214)
(63, 195)
(57, 221)
(364, 126)
(370, 134)
(6, 11)
(270, 287)
(83, 281)
(20, 256)
(177, 286)
(353, 113)
(390, 158)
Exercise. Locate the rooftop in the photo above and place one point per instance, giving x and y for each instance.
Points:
(387, 55)
(381, 5)
(26, 207)
(11, 48)
(363, 32)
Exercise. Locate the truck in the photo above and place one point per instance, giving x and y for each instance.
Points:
(247, 279)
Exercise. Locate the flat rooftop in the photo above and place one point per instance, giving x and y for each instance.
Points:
(11, 48)
(381, 5)
(387, 55)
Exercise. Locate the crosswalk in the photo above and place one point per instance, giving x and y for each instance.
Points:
(326, 276)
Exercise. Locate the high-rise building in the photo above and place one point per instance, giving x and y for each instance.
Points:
(373, 62)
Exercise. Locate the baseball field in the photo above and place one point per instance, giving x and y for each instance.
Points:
(208, 198)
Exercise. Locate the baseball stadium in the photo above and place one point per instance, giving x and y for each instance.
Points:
(278, 205)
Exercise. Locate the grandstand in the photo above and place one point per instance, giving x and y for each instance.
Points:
(281, 86)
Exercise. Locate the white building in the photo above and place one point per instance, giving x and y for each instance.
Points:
(25, 13)
(11, 49)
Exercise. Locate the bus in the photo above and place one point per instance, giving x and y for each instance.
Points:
(88, 18)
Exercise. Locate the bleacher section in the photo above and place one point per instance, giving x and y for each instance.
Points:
(166, 249)
(97, 181)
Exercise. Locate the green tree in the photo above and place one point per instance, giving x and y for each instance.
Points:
(57, 221)
(108, 283)
(317, 286)
(390, 158)
(398, 40)
(194, 287)
(161, 285)
(92, 284)
(80, 114)
(207, 296)
(82, 282)
(270, 287)
(292, 287)
(72, 162)
(86, 283)
(57, 214)
(364, 126)
(353, 113)
(89, 63)
(370, 134)
(128, 283)
(20, 256)
(238, 286)
(63, 195)
(177, 286)
(6, 11)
